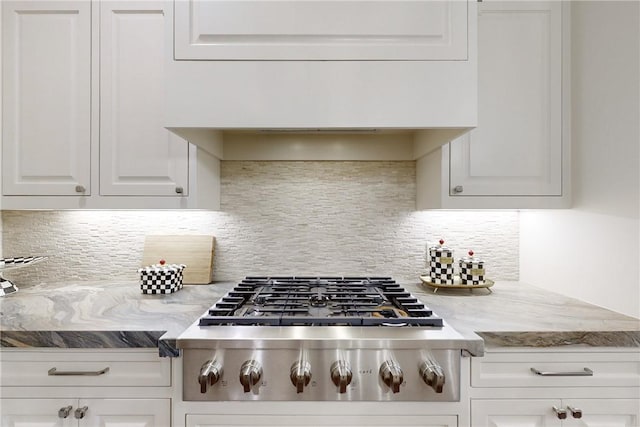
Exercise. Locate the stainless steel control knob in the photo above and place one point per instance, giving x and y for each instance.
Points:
(391, 374)
(300, 375)
(210, 373)
(433, 375)
(250, 374)
(341, 375)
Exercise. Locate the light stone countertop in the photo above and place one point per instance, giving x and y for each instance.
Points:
(118, 315)
(517, 314)
(102, 315)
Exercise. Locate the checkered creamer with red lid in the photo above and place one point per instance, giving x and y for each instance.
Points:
(472, 270)
(161, 279)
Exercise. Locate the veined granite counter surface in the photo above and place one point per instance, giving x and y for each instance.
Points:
(118, 315)
(519, 315)
(102, 315)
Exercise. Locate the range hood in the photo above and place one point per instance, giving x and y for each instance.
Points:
(289, 85)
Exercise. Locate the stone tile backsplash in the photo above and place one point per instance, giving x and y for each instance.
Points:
(338, 218)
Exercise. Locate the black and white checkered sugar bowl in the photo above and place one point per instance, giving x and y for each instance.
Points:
(161, 278)
(472, 270)
(441, 264)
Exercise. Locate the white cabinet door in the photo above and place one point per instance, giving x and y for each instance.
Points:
(516, 150)
(515, 412)
(37, 413)
(126, 412)
(138, 156)
(46, 97)
(604, 412)
(320, 30)
(320, 420)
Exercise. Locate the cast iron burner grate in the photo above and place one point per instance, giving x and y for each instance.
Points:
(319, 301)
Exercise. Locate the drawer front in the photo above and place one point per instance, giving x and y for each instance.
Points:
(550, 369)
(62, 368)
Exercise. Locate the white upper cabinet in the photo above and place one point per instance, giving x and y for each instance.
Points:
(516, 148)
(83, 110)
(318, 64)
(46, 97)
(320, 30)
(138, 156)
(518, 156)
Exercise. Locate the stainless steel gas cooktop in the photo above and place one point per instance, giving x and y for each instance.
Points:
(319, 301)
(321, 338)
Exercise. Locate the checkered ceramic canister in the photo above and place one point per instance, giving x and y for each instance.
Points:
(161, 278)
(471, 270)
(441, 264)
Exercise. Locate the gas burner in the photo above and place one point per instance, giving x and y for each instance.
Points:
(320, 301)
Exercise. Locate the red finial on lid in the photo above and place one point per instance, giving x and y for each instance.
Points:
(162, 262)
(441, 242)
(470, 252)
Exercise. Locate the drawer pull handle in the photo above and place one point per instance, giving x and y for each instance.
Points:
(54, 372)
(560, 413)
(65, 411)
(575, 412)
(81, 412)
(584, 373)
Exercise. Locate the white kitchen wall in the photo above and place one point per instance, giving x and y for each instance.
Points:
(1, 66)
(592, 251)
(347, 218)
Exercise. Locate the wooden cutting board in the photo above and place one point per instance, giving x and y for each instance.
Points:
(195, 251)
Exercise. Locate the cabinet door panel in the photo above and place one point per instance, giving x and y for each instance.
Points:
(127, 412)
(516, 150)
(511, 413)
(35, 413)
(605, 412)
(46, 100)
(138, 156)
(321, 30)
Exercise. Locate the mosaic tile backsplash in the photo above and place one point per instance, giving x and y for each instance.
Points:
(286, 218)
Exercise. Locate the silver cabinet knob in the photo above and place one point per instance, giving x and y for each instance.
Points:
(433, 375)
(300, 375)
(391, 374)
(458, 189)
(575, 412)
(560, 413)
(80, 189)
(179, 190)
(210, 373)
(250, 374)
(341, 375)
(65, 411)
(81, 412)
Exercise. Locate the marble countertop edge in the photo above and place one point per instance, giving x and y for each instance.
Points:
(117, 315)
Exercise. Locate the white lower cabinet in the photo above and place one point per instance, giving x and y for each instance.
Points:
(84, 388)
(553, 388)
(85, 412)
(568, 412)
(509, 413)
(320, 420)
